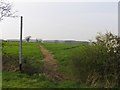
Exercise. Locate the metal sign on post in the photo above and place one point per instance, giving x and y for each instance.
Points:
(20, 56)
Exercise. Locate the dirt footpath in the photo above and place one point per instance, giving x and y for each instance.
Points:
(50, 66)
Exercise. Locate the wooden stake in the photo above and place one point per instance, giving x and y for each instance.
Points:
(20, 56)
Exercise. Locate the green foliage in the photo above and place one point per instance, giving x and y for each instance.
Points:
(112, 69)
(83, 65)
(62, 53)
(68, 84)
(0, 79)
(32, 61)
(32, 57)
(88, 61)
(18, 80)
(98, 64)
(29, 50)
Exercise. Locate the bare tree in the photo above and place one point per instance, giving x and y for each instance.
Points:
(6, 10)
(27, 38)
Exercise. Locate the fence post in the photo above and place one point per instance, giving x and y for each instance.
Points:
(20, 53)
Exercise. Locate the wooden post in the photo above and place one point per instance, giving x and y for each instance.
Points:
(119, 18)
(20, 56)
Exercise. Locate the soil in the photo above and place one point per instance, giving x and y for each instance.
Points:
(50, 65)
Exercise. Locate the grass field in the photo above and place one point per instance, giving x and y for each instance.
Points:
(18, 80)
(62, 53)
(86, 60)
(33, 57)
(29, 49)
(78, 63)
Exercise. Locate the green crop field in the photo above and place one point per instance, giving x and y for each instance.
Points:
(63, 52)
(32, 58)
(81, 65)
(29, 49)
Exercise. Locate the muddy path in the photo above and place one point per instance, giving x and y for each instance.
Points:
(50, 66)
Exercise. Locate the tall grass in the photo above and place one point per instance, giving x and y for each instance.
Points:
(90, 65)
(18, 80)
(31, 59)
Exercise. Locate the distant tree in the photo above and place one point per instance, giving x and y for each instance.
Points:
(38, 40)
(27, 38)
(6, 10)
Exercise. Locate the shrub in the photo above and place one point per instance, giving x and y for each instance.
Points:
(88, 63)
(98, 64)
(112, 69)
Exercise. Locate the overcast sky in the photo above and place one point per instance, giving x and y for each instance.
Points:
(62, 20)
